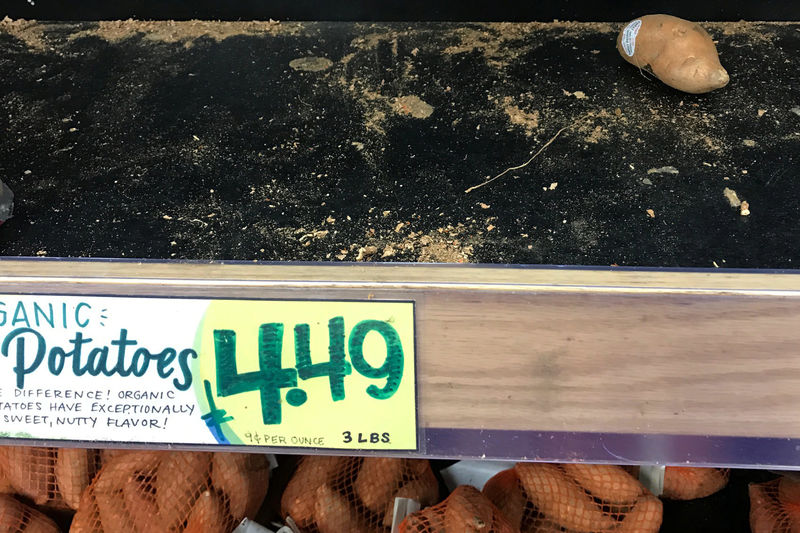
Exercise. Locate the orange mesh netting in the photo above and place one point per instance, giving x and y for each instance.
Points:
(543, 498)
(775, 506)
(354, 494)
(16, 517)
(192, 492)
(689, 483)
(466, 510)
(51, 477)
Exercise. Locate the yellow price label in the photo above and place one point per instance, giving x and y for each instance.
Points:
(318, 374)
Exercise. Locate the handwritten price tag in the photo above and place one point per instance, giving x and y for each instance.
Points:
(321, 374)
(303, 373)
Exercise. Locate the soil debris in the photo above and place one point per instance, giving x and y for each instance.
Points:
(412, 105)
(732, 197)
(186, 32)
(744, 209)
(663, 170)
(30, 32)
(529, 121)
(311, 64)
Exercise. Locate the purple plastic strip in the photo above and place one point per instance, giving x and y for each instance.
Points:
(749, 452)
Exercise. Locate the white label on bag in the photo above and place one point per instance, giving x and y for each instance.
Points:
(629, 36)
(402, 508)
(652, 477)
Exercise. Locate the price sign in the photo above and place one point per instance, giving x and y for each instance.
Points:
(317, 374)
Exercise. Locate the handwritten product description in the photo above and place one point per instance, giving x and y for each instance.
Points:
(321, 374)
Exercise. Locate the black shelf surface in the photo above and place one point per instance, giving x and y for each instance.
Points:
(206, 141)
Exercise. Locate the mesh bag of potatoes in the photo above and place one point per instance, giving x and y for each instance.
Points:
(49, 477)
(155, 491)
(354, 494)
(16, 517)
(775, 506)
(466, 510)
(544, 498)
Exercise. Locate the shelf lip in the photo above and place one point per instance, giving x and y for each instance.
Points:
(398, 276)
(571, 353)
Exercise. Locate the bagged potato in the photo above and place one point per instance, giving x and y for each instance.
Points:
(325, 493)
(16, 517)
(50, 477)
(689, 483)
(466, 510)
(538, 497)
(678, 52)
(150, 491)
(775, 506)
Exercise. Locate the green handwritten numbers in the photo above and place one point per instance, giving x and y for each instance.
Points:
(391, 369)
(271, 377)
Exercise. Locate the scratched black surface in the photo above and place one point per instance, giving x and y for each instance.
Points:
(159, 125)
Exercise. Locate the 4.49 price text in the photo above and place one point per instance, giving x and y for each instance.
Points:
(271, 377)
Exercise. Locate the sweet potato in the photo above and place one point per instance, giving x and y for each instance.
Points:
(298, 497)
(112, 511)
(207, 514)
(378, 479)
(425, 521)
(765, 512)
(30, 471)
(789, 491)
(678, 52)
(504, 490)
(333, 513)
(13, 517)
(181, 478)
(645, 517)
(468, 510)
(243, 479)
(424, 489)
(689, 483)
(609, 483)
(142, 507)
(560, 498)
(73, 474)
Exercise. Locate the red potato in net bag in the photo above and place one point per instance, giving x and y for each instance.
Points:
(678, 52)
